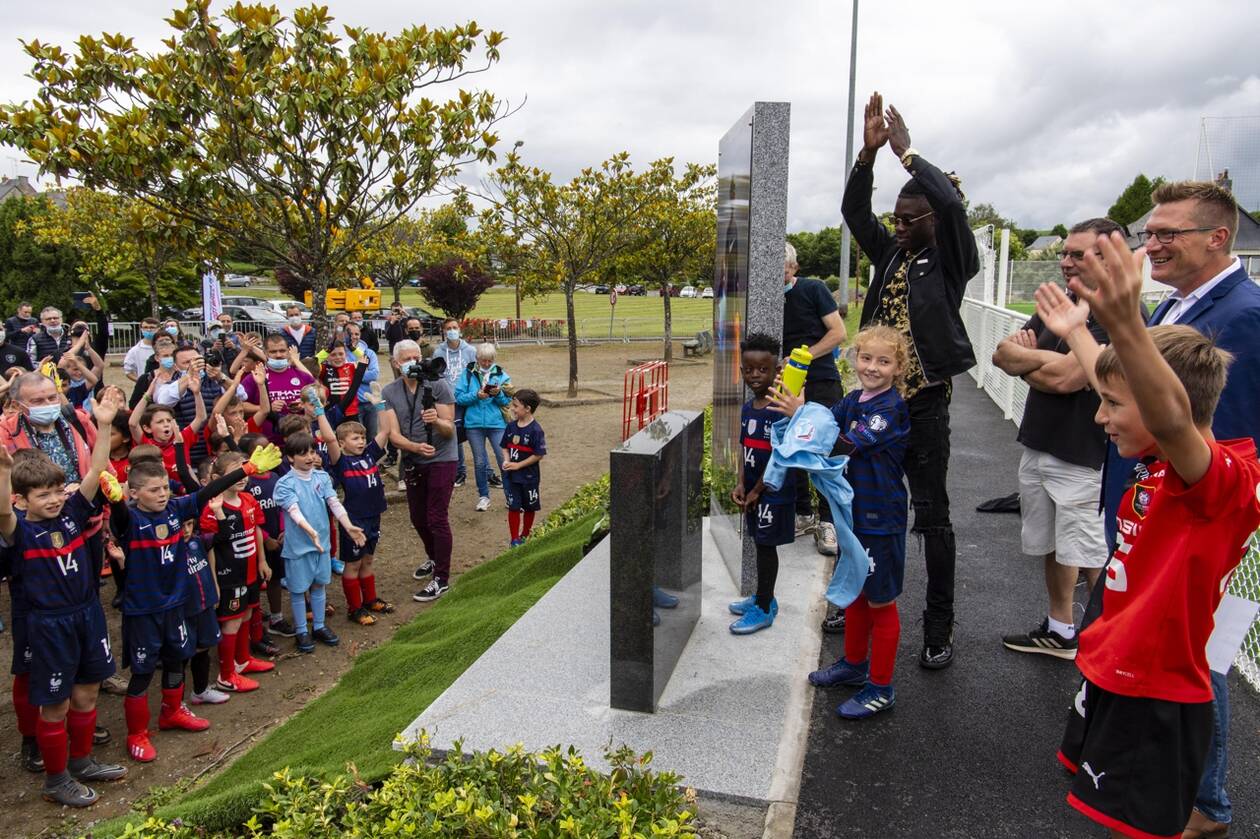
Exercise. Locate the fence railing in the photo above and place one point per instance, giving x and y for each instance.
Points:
(986, 326)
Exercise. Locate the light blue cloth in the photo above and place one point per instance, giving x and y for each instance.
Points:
(803, 442)
(371, 374)
(303, 563)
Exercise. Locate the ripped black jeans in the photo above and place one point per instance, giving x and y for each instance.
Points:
(927, 469)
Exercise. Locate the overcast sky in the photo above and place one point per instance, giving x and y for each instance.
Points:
(1046, 110)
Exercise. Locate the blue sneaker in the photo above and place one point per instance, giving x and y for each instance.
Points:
(868, 702)
(740, 606)
(662, 599)
(840, 673)
(338, 566)
(752, 621)
(515, 543)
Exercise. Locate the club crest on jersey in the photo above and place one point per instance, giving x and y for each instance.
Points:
(234, 605)
(516, 439)
(752, 427)
(1142, 499)
(804, 431)
(161, 531)
(58, 541)
(54, 683)
(876, 423)
(295, 381)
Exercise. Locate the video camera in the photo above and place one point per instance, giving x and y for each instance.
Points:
(428, 369)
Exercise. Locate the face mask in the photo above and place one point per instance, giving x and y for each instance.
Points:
(216, 333)
(416, 335)
(278, 364)
(789, 286)
(452, 334)
(173, 331)
(56, 331)
(147, 334)
(295, 321)
(44, 414)
(407, 366)
(168, 362)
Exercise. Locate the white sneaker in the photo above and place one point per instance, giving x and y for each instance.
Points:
(483, 504)
(804, 524)
(211, 696)
(402, 486)
(825, 538)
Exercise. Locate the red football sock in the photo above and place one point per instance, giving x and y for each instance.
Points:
(529, 523)
(81, 725)
(255, 625)
(26, 713)
(136, 710)
(857, 630)
(368, 585)
(354, 593)
(227, 655)
(51, 737)
(885, 633)
(514, 524)
(242, 645)
(172, 698)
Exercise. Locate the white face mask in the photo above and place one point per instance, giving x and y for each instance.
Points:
(295, 321)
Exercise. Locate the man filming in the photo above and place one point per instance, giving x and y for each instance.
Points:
(423, 429)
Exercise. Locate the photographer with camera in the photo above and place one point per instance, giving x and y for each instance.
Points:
(423, 406)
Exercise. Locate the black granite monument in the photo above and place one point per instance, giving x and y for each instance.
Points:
(657, 513)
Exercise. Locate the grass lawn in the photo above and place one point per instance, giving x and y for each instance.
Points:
(1022, 308)
(389, 686)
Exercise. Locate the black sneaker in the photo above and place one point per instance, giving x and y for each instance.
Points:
(1042, 640)
(390, 460)
(938, 642)
(326, 636)
(435, 589)
(282, 628)
(494, 480)
(460, 480)
(88, 769)
(32, 760)
(101, 736)
(833, 624)
(266, 648)
(65, 790)
(305, 643)
(425, 570)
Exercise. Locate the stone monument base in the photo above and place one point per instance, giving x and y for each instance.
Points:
(732, 720)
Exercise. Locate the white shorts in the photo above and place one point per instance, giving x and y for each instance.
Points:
(1058, 510)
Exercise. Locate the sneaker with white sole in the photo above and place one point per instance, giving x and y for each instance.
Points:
(805, 524)
(435, 589)
(425, 570)
(1042, 640)
(210, 696)
(825, 538)
(483, 504)
(65, 790)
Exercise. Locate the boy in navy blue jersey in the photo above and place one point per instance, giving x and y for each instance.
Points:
(65, 625)
(352, 460)
(874, 429)
(200, 614)
(769, 514)
(526, 446)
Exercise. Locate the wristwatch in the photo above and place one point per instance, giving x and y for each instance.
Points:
(905, 158)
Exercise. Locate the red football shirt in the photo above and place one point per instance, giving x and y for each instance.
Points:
(242, 515)
(1177, 546)
(186, 436)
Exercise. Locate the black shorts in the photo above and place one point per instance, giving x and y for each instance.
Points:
(772, 523)
(522, 497)
(888, 566)
(204, 629)
(21, 646)
(234, 601)
(150, 640)
(350, 552)
(1137, 761)
(66, 650)
(275, 561)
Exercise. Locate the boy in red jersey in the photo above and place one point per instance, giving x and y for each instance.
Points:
(1137, 738)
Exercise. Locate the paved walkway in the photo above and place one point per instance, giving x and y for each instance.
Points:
(969, 751)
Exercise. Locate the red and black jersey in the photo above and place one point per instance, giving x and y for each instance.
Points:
(339, 380)
(360, 477)
(51, 565)
(157, 566)
(261, 487)
(186, 436)
(1177, 547)
(235, 540)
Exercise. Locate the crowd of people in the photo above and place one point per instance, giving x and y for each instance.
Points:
(240, 467)
(1138, 483)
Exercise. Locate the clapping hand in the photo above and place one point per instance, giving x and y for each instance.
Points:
(898, 134)
(1111, 282)
(1058, 312)
(874, 129)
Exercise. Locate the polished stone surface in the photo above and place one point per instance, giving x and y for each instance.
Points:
(729, 720)
(752, 215)
(655, 517)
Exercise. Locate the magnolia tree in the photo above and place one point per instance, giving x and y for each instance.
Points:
(277, 134)
(412, 244)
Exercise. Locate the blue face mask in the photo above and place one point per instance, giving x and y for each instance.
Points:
(44, 414)
(407, 366)
(168, 363)
(173, 331)
(452, 334)
(789, 286)
(147, 334)
(278, 364)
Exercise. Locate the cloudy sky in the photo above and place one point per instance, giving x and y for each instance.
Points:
(1046, 111)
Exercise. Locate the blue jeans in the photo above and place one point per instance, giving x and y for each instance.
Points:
(478, 438)
(1211, 799)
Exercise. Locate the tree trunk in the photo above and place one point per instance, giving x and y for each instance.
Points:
(669, 325)
(153, 296)
(397, 292)
(319, 310)
(569, 313)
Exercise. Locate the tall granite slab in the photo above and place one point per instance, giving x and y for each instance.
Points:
(748, 284)
(656, 520)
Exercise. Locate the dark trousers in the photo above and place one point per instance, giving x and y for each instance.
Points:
(429, 488)
(829, 393)
(927, 467)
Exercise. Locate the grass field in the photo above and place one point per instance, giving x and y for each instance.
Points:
(389, 686)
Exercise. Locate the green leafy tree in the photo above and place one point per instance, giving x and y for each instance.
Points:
(569, 232)
(43, 274)
(1135, 201)
(1060, 231)
(676, 233)
(273, 132)
(413, 243)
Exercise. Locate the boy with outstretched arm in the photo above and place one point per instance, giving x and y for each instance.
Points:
(526, 445)
(1138, 734)
(66, 633)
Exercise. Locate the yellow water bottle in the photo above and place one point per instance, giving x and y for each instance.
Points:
(795, 370)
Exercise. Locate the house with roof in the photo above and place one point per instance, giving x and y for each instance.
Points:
(15, 187)
(1246, 243)
(1044, 243)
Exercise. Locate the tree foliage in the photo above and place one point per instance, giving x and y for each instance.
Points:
(42, 273)
(412, 244)
(818, 254)
(1134, 201)
(454, 286)
(271, 132)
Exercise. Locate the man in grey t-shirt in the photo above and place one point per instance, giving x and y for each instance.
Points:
(426, 438)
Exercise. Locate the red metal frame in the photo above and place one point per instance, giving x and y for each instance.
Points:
(645, 396)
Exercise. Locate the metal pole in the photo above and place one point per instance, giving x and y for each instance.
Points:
(848, 156)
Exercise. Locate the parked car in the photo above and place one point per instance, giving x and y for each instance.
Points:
(237, 280)
(601, 289)
(620, 288)
(280, 307)
(432, 323)
(414, 282)
(673, 290)
(707, 294)
(240, 300)
(687, 291)
(261, 317)
(636, 291)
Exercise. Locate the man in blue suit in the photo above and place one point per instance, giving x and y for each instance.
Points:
(1189, 238)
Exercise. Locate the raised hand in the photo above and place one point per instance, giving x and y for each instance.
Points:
(1111, 283)
(1058, 312)
(216, 505)
(874, 129)
(898, 134)
(782, 399)
(107, 407)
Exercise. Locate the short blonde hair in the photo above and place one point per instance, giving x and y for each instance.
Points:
(881, 334)
(1200, 365)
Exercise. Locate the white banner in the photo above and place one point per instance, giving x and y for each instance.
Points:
(211, 299)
